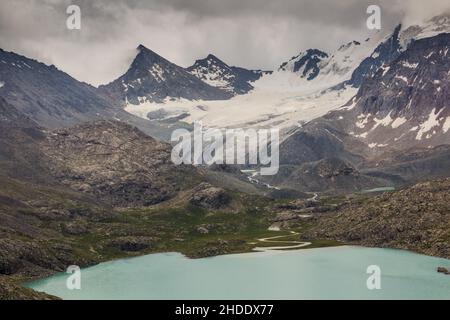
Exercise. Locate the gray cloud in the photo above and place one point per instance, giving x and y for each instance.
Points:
(251, 33)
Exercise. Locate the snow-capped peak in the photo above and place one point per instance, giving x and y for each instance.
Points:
(307, 63)
(217, 73)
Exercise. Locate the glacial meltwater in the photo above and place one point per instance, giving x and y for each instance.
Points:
(328, 273)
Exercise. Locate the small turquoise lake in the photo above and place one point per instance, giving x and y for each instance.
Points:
(328, 273)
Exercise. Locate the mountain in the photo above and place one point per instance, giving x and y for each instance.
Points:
(349, 65)
(387, 51)
(151, 78)
(390, 48)
(406, 103)
(402, 108)
(47, 95)
(53, 99)
(429, 28)
(306, 64)
(20, 156)
(218, 74)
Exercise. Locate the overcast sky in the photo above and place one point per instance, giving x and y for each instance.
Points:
(250, 33)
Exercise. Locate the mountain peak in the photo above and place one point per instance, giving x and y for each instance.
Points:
(217, 73)
(141, 47)
(306, 63)
(211, 60)
(143, 50)
(152, 78)
(212, 57)
(147, 58)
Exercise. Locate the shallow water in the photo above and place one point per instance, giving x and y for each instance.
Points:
(328, 273)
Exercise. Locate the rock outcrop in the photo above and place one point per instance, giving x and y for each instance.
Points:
(209, 197)
(416, 218)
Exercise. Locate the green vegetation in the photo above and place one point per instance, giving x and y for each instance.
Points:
(193, 231)
(59, 227)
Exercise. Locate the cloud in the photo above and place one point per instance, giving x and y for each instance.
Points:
(250, 33)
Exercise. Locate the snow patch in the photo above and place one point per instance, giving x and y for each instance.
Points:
(406, 64)
(446, 125)
(364, 119)
(386, 121)
(398, 122)
(377, 145)
(362, 135)
(385, 69)
(429, 124)
(402, 78)
(157, 72)
(2, 84)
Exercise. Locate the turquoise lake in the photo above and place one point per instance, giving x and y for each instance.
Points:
(328, 273)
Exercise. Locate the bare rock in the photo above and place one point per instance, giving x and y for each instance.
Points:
(443, 270)
(209, 197)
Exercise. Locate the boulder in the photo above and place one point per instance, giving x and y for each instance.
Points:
(443, 270)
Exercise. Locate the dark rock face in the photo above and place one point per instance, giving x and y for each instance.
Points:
(209, 197)
(406, 103)
(417, 218)
(385, 53)
(152, 78)
(412, 79)
(307, 63)
(217, 73)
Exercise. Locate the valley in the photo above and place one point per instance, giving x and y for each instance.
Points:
(87, 177)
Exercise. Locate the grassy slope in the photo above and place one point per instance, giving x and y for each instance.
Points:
(35, 242)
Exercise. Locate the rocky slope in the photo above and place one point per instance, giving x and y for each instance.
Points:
(115, 162)
(405, 104)
(416, 218)
(20, 155)
(46, 94)
(402, 108)
(387, 51)
(112, 160)
(60, 193)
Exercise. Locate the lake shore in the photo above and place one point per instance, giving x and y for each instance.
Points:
(238, 271)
